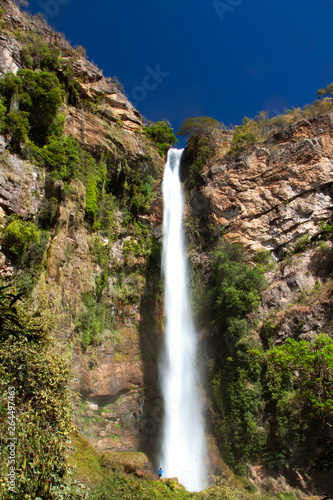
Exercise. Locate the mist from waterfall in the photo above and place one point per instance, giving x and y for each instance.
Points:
(183, 442)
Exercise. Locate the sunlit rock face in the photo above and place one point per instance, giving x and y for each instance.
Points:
(277, 192)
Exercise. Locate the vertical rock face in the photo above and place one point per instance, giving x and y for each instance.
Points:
(278, 192)
(21, 186)
(110, 374)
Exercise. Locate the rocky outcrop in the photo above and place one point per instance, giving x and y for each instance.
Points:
(271, 196)
(21, 185)
(115, 108)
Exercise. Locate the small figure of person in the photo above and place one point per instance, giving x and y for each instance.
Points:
(160, 472)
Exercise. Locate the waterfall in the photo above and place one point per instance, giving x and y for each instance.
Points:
(183, 444)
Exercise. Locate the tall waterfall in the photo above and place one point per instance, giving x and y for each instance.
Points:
(183, 445)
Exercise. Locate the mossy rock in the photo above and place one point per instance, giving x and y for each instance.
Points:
(86, 460)
(129, 462)
(173, 484)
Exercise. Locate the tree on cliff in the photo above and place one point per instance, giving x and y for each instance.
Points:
(200, 126)
(328, 92)
(162, 134)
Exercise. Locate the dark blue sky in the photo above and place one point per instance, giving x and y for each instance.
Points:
(257, 55)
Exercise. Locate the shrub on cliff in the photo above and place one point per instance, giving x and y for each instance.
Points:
(200, 126)
(242, 139)
(233, 294)
(35, 397)
(327, 92)
(298, 384)
(2, 111)
(17, 237)
(24, 244)
(235, 286)
(162, 134)
(32, 101)
(37, 54)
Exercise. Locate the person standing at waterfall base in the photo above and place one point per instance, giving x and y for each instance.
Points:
(160, 472)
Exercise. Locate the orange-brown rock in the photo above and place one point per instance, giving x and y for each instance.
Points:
(277, 192)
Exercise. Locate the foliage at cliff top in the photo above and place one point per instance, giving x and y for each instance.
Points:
(162, 134)
(252, 130)
(327, 92)
(200, 126)
(259, 129)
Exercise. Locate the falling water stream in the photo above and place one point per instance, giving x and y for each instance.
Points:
(183, 445)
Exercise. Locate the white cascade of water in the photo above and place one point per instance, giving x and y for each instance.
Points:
(183, 443)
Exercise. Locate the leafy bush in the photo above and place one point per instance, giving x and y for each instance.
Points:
(3, 111)
(37, 54)
(33, 100)
(162, 134)
(17, 237)
(140, 190)
(222, 489)
(60, 155)
(299, 382)
(201, 149)
(127, 487)
(40, 377)
(17, 126)
(235, 286)
(199, 126)
(327, 92)
(24, 244)
(242, 139)
(41, 97)
(202, 144)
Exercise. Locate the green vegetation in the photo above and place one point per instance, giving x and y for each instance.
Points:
(128, 487)
(38, 378)
(204, 134)
(25, 245)
(200, 126)
(37, 54)
(162, 134)
(92, 322)
(17, 237)
(234, 289)
(298, 379)
(32, 100)
(233, 293)
(272, 399)
(328, 92)
(302, 244)
(243, 138)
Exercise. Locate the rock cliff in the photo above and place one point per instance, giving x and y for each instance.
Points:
(271, 196)
(109, 377)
